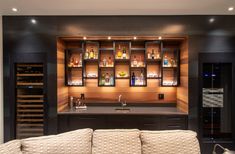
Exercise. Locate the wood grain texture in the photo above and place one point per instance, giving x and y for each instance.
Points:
(182, 90)
(62, 90)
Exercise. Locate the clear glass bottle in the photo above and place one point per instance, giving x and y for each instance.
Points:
(119, 53)
(152, 54)
(104, 62)
(92, 53)
(107, 79)
(135, 62)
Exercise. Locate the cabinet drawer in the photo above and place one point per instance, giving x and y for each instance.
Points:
(172, 126)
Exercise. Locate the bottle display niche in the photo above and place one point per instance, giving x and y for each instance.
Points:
(137, 61)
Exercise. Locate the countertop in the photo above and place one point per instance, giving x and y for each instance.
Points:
(111, 110)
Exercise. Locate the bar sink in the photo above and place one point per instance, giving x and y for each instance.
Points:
(122, 110)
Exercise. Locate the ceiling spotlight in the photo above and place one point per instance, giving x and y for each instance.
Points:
(84, 38)
(109, 38)
(159, 37)
(134, 37)
(230, 8)
(14, 9)
(211, 20)
(33, 21)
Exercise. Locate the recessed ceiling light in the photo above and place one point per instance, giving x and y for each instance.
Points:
(84, 38)
(134, 37)
(231, 8)
(109, 38)
(211, 20)
(159, 37)
(33, 21)
(14, 9)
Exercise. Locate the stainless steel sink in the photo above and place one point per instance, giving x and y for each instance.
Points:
(122, 110)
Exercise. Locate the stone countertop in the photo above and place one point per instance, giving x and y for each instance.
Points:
(111, 110)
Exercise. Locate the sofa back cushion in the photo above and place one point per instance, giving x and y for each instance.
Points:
(169, 142)
(74, 142)
(11, 147)
(117, 141)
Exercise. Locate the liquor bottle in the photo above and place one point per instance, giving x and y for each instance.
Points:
(76, 62)
(92, 53)
(149, 55)
(165, 61)
(104, 62)
(124, 53)
(152, 55)
(141, 78)
(80, 59)
(133, 79)
(86, 54)
(107, 79)
(135, 62)
(119, 53)
(111, 81)
(110, 62)
(102, 81)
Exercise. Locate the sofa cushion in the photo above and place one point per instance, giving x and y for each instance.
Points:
(170, 142)
(117, 141)
(11, 147)
(74, 142)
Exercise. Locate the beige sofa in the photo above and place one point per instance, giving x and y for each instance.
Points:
(116, 141)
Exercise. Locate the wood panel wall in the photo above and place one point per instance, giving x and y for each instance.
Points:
(182, 90)
(62, 90)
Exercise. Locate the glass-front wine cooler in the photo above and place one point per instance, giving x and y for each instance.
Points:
(30, 99)
(217, 101)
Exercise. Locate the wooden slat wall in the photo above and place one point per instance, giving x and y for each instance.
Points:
(62, 90)
(182, 90)
(131, 94)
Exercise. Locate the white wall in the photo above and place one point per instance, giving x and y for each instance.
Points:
(1, 83)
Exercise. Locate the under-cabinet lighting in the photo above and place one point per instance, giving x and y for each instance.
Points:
(109, 38)
(14, 9)
(33, 21)
(231, 8)
(84, 38)
(159, 37)
(134, 37)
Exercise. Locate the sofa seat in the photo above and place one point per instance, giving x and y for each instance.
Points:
(109, 141)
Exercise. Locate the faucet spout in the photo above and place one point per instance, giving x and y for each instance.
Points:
(119, 98)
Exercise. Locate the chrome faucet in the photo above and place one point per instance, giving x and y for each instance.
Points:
(123, 103)
(119, 98)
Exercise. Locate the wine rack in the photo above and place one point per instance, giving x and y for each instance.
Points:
(30, 100)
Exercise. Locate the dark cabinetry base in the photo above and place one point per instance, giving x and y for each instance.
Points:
(143, 122)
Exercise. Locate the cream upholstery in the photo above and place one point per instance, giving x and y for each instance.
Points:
(116, 142)
(12, 147)
(169, 142)
(74, 142)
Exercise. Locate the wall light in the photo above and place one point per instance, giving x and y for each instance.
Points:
(33, 21)
(211, 20)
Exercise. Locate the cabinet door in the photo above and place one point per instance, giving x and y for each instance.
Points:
(87, 121)
(173, 122)
(150, 123)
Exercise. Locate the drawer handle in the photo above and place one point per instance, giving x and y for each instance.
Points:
(174, 118)
(174, 126)
(87, 118)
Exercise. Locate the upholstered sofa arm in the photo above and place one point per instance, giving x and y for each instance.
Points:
(11, 147)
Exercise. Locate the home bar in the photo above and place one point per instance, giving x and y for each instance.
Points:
(155, 73)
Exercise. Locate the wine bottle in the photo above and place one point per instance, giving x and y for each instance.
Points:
(152, 55)
(124, 53)
(133, 79)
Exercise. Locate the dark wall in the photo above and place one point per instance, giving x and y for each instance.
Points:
(20, 36)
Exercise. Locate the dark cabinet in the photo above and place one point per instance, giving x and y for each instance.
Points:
(142, 122)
